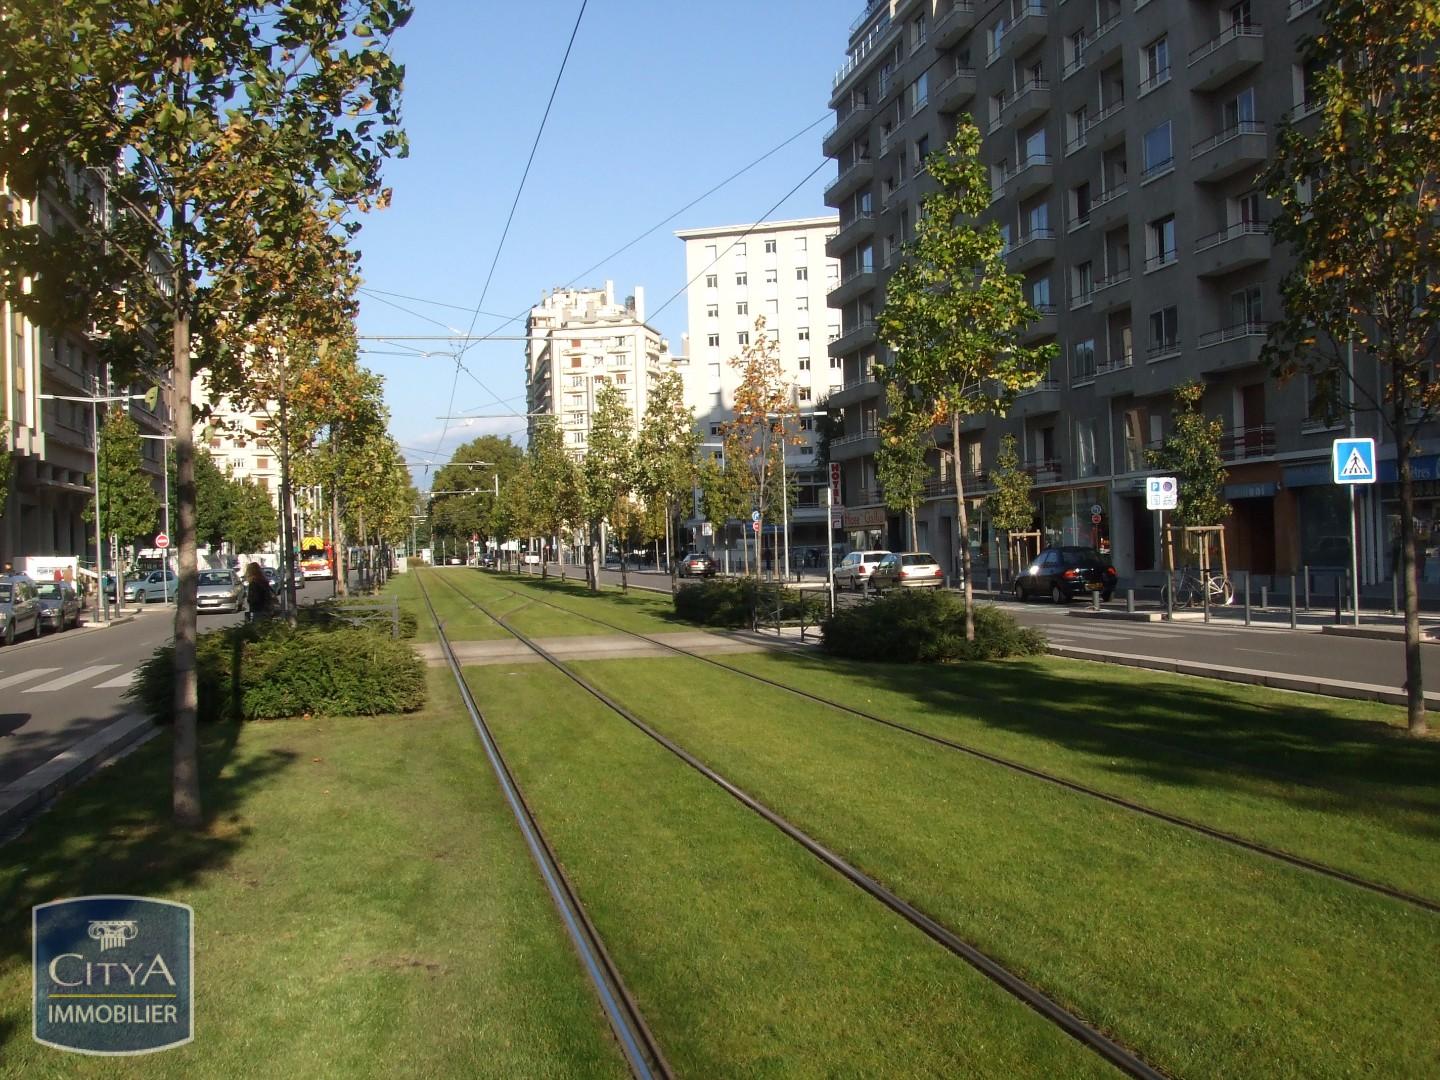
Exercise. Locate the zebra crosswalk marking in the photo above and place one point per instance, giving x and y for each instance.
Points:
(71, 679)
(122, 680)
(25, 676)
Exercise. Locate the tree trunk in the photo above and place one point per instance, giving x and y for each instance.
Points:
(287, 524)
(962, 520)
(592, 571)
(1414, 678)
(914, 529)
(185, 764)
(337, 528)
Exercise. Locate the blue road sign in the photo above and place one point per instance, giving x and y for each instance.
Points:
(1353, 461)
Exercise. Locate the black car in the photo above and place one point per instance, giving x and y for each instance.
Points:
(1063, 573)
(697, 565)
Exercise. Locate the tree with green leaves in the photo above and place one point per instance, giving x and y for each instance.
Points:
(214, 495)
(725, 490)
(900, 465)
(548, 496)
(1358, 200)
(1011, 505)
(665, 454)
(608, 471)
(233, 141)
(479, 467)
(1191, 452)
(129, 507)
(7, 469)
(251, 521)
(954, 314)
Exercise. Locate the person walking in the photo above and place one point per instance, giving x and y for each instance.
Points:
(259, 597)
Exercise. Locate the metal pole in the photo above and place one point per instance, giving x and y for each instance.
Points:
(1247, 597)
(165, 473)
(830, 544)
(785, 513)
(1354, 555)
(102, 605)
(1340, 597)
(1306, 571)
(1294, 622)
(1130, 601)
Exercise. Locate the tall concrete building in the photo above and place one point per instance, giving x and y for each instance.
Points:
(579, 339)
(238, 438)
(1123, 140)
(779, 270)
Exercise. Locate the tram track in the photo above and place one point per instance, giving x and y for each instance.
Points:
(1254, 847)
(1110, 1050)
(641, 1049)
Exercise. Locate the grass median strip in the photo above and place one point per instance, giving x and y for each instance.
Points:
(1208, 960)
(364, 907)
(1325, 779)
(746, 954)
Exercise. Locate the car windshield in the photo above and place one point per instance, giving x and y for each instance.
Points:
(216, 577)
(48, 590)
(1078, 556)
(920, 558)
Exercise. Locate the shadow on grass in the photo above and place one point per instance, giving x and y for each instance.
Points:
(1189, 735)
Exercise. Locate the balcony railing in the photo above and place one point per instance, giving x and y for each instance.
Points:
(1237, 444)
(1165, 258)
(859, 436)
(1159, 79)
(1299, 7)
(1235, 131)
(1159, 350)
(1117, 278)
(868, 45)
(1231, 33)
(1249, 328)
(1230, 232)
(1306, 108)
(1160, 168)
(1108, 195)
(1125, 360)
(1075, 145)
(1047, 469)
(1040, 387)
(1105, 113)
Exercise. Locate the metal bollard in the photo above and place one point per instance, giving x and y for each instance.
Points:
(988, 587)
(1205, 589)
(1394, 594)
(1306, 571)
(1130, 601)
(1294, 623)
(1170, 596)
(1264, 597)
(1094, 601)
(1339, 601)
(1247, 597)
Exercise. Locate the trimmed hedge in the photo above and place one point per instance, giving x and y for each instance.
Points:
(925, 626)
(735, 603)
(268, 670)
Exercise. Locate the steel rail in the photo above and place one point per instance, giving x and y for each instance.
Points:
(1189, 824)
(1077, 1028)
(642, 1050)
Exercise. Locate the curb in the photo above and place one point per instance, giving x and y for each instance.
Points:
(1380, 633)
(79, 631)
(28, 795)
(1304, 684)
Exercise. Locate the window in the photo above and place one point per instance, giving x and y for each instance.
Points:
(1080, 203)
(1160, 242)
(807, 423)
(773, 333)
(712, 311)
(739, 249)
(867, 259)
(809, 451)
(920, 92)
(717, 429)
(1238, 110)
(833, 331)
(769, 247)
(803, 364)
(1082, 361)
(1164, 330)
(800, 240)
(576, 361)
(1040, 294)
(1085, 463)
(1082, 283)
(620, 378)
(262, 463)
(712, 281)
(803, 393)
(713, 341)
(1239, 14)
(713, 371)
(772, 276)
(802, 303)
(1037, 219)
(1244, 209)
(1157, 63)
(922, 151)
(832, 272)
(1159, 153)
(742, 278)
(836, 363)
(1076, 125)
(743, 337)
(1035, 147)
(1245, 306)
(772, 307)
(803, 334)
(742, 308)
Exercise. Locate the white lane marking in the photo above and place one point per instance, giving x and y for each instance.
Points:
(26, 676)
(123, 680)
(71, 679)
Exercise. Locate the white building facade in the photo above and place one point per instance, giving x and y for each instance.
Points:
(238, 439)
(779, 271)
(580, 339)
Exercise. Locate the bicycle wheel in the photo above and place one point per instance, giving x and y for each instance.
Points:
(1221, 590)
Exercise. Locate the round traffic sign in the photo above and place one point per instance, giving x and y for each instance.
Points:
(755, 525)
(1095, 519)
(162, 541)
(754, 515)
(1096, 508)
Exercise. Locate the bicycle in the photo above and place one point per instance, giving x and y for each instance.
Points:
(1191, 586)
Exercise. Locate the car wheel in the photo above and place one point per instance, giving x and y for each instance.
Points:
(1019, 592)
(1057, 595)
(10, 633)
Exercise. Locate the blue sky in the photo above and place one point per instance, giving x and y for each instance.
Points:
(660, 100)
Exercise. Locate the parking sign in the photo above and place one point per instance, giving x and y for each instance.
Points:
(1161, 493)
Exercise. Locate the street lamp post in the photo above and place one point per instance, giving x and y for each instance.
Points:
(164, 441)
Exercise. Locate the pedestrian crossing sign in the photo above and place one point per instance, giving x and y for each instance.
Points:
(1353, 461)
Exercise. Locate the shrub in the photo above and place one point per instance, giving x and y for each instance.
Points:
(925, 625)
(268, 670)
(718, 602)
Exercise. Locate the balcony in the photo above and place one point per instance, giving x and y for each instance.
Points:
(857, 337)
(845, 129)
(1153, 83)
(1166, 349)
(852, 286)
(1043, 397)
(1035, 247)
(1115, 376)
(1246, 243)
(1108, 208)
(1028, 29)
(865, 388)
(851, 233)
(870, 48)
(1306, 109)
(957, 91)
(1043, 472)
(1232, 347)
(1030, 102)
(1034, 174)
(1232, 151)
(1235, 51)
(1044, 326)
(1107, 127)
(850, 179)
(1245, 444)
(1160, 260)
(1299, 7)
(849, 447)
(1164, 167)
(1112, 292)
(951, 27)
(1106, 44)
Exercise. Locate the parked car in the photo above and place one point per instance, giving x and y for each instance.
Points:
(697, 564)
(911, 569)
(273, 576)
(155, 587)
(59, 605)
(1063, 573)
(19, 608)
(219, 591)
(856, 569)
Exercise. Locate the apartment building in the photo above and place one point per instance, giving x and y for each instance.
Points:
(780, 271)
(49, 438)
(1123, 139)
(579, 339)
(238, 439)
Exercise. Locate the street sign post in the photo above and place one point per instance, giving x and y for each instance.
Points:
(1163, 493)
(162, 541)
(1352, 462)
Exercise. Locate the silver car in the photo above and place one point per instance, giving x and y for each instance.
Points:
(59, 605)
(152, 588)
(219, 590)
(908, 569)
(856, 568)
(19, 608)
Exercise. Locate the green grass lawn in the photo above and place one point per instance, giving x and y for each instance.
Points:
(364, 907)
(463, 622)
(747, 955)
(642, 611)
(1328, 779)
(1210, 960)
